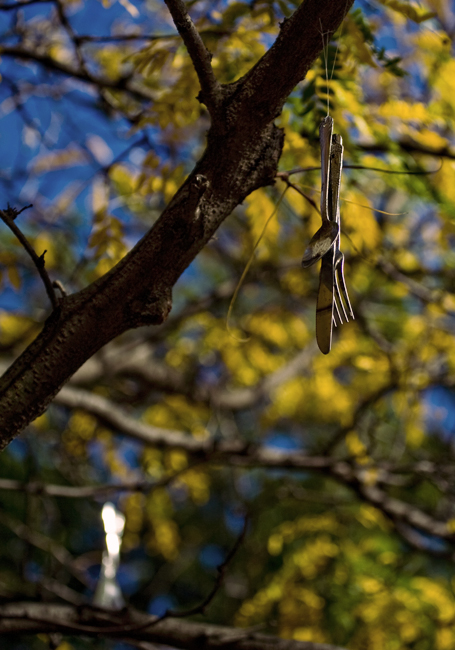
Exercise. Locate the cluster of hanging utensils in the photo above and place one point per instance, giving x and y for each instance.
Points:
(333, 304)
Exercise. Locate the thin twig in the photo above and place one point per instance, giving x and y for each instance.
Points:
(8, 217)
(87, 38)
(119, 83)
(284, 177)
(420, 172)
(73, 37)
(58, 285)
(17, 5)
(199, 54)
(301, 170)
(200, 609)
(221, 569)
(46, 544)
(92, 491)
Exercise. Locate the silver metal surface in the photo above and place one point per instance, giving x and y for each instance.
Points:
(108, 593)
(333, 304)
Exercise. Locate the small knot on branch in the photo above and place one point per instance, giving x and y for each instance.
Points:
(41, 258)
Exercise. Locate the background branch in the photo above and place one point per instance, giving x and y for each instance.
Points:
(44, 618)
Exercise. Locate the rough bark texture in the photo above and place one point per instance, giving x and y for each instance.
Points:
(243, 150)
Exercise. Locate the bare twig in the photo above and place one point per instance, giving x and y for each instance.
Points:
(221, 569)
(46, 544)
(198, 609)
(91, 491)
(58, 285)
(199, 54)
(421, 291)
(73, 37)
(120, 83)
(87, 38)
(62, 591)
(420, 172)
(285, 177)
(8, 217)
(17, 5)
(411, 146)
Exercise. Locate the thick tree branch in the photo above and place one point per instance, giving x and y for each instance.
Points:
(106, 411)
(265, 88)
(35, 618)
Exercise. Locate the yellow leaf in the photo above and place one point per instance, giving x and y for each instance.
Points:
(405, 111)
(61, 159)
(358, 219)
(61, 53)
(409, 10)
(166, 538)
(177, 460)
(131, 9)
(355, 445)
(14, 277)
(42, 422)
(64, 646)
(275, 544)
(260, 208)
(198, 484)
(13, 327)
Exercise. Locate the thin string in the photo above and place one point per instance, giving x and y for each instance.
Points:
(325, 50)
(245, 271)
(325, 44)
(359, 205)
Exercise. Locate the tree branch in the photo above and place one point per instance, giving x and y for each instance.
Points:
(106, 411)
(356, 476)
(221, 572)
(122, 83)
(265, 88)
(140, 362)
(46, 544)
(35, 618)
(17, 5)
(410, 146)
(200, 56)
(8, 216)
(88, 491)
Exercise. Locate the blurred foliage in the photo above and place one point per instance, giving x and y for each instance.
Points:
(99, 151)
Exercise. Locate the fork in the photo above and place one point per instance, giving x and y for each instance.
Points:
(342, 304)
